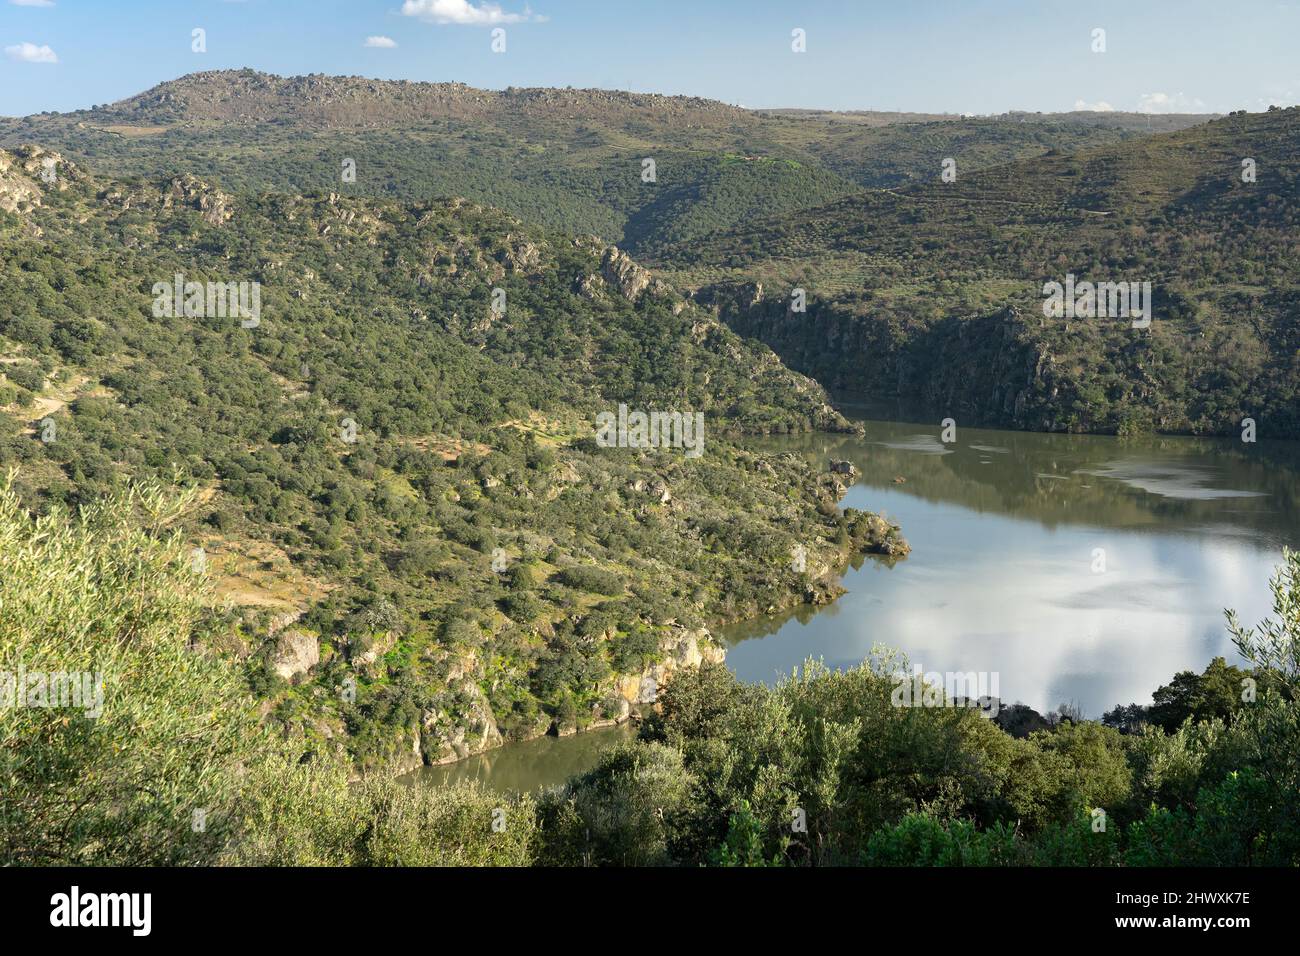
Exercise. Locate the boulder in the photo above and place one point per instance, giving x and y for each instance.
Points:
(589, 287)
(365, 649)
(212, 204)
(519, 254)
(295, 653)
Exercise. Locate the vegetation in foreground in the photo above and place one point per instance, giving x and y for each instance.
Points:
(821, 770)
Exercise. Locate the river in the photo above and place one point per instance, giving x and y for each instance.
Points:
(1076, 569)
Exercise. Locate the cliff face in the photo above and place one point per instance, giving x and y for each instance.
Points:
(634, 694)
(987, 369)
(469, 727)
(27, 173)
(1011, 368)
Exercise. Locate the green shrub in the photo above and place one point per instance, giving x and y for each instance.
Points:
(595, 580)
(621, 812)
(919, 840)
(110, 592)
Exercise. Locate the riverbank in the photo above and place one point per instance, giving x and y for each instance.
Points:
(631, 696)
(1081, 570)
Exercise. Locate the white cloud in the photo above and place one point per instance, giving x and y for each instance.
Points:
(383, 43)
(1101, 106)
(1169, 103)
(32, 3)
(31, 53)
(463, 12)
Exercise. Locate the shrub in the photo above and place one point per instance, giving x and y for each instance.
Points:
(110, 592)
(593, 579)
(919, 840)
(620, 813)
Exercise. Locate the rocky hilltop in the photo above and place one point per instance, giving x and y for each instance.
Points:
(572, 160)
(321, 102)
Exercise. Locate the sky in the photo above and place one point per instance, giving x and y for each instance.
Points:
(954, 56)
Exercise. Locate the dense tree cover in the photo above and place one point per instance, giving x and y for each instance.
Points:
(935, 292)
(1212, 695)
(408, 468)
(821, 770)
(174, 768)
(569, 160)
(898, 154)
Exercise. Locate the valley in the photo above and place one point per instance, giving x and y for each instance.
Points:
(416, 456)
(455, 599)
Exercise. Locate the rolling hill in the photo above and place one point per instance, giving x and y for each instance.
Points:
(569, 160)
(417, 546)
(934, 292)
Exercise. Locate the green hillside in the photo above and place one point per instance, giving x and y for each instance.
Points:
(309, 472)
(935, 292)
(397, 482)
(569, 160)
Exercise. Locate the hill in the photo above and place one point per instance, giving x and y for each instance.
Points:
(569, 160)
(387, 411)
(935, 291)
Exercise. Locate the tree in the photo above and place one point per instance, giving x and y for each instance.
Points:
(622, 812)
(1214, 693)
(1275, 644)
(145, 772)
(1127, 718)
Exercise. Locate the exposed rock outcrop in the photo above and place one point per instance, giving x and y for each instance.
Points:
(295, 653)
(213, 205)
(25, 173)
(588, 286)
(681, 648)
(468, 728)
(365, 649)
(625, 275)
(520, 254)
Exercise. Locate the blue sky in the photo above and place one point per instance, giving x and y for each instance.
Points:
(977, 56)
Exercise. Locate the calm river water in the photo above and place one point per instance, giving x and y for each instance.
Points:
(1009, 532)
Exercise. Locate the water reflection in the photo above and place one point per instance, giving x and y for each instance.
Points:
(1007, 530)
(527, 765)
